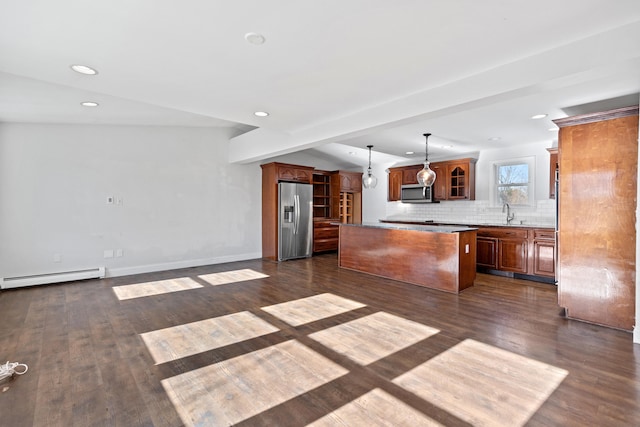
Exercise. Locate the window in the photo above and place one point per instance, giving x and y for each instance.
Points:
(513, 182)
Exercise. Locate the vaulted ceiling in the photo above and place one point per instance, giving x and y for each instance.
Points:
(333, 75)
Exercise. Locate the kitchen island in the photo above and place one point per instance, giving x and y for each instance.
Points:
(437, 257)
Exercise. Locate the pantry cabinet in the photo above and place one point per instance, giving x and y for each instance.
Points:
(597, 202)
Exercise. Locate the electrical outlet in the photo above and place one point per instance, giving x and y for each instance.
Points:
(108, 253)
(119, 253)
(119, 200)
(466, 248)
(109, 200)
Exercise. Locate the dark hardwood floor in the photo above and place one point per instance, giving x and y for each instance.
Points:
(221, 350)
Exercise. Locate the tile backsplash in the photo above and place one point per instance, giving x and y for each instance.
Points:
(474, 212)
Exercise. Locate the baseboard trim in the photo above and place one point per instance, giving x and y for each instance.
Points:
(175, 265)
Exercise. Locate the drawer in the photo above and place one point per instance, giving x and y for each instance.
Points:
(325, 245)
(544, 234)
(325, 223)
(326, 233)
(503, 233)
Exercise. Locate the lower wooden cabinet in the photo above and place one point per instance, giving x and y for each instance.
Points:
(325, 235)
(513, 255)
(486, 252)
(544, 253)
(526, 251)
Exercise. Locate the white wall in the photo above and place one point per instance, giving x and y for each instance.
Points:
(182, 205)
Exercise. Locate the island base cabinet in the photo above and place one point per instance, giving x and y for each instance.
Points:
(438, 260)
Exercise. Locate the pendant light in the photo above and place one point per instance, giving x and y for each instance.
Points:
(426, 177)
(369, 181)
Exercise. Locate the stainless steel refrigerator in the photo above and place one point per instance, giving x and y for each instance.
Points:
(295, 220)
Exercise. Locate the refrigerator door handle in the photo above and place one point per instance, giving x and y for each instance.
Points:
(296, 210)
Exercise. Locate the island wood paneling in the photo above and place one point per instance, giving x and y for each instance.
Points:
(597, 246)
(431, 259)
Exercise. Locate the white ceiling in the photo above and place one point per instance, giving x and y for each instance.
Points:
(333, 74)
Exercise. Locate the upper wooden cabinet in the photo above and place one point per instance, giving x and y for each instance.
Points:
(461, 179)
(294, 173)
(350, 182)
(346, 196)
(439, 187)
(395, 182)
(455, 179)
(410, 174)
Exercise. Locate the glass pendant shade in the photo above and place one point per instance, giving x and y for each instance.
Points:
(426, 177)
(369, 181)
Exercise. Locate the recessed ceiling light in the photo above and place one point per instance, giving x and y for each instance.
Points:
(261, 114)
(89, 104)
(254, 38)
(83, 69)
(495, 138)
(446, 146)
(408, 153)
(552, 129)
(352, 153)
(539, 116)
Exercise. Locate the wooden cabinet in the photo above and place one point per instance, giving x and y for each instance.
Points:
(553, 170)
(460, 180)
(346, 196)
(528, 251)
(410, 174)
(455, 179)
(350, 182)
(504, 249)
(544, 253)
(325, 236)
(439, 187)
(272, 173)
(513, 255)
(395, 183)
(487, 252)
(294, 173)
(598, 161)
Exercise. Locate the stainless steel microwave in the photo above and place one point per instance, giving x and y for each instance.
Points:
(415, 193)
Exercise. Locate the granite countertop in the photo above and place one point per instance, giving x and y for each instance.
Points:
(415, 227)
(461, 223)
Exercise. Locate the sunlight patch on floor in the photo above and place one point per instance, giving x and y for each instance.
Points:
(192, 338)
(227, 277)
(373, 337)
(375, 408)
(484, 385)
(233, 390)
(159, 287)
(307, 310)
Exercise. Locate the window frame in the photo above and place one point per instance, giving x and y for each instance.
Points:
(530, 161)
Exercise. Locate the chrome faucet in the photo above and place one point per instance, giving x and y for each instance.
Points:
(510, 215)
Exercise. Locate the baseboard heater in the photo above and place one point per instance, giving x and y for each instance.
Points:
(44, 279)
